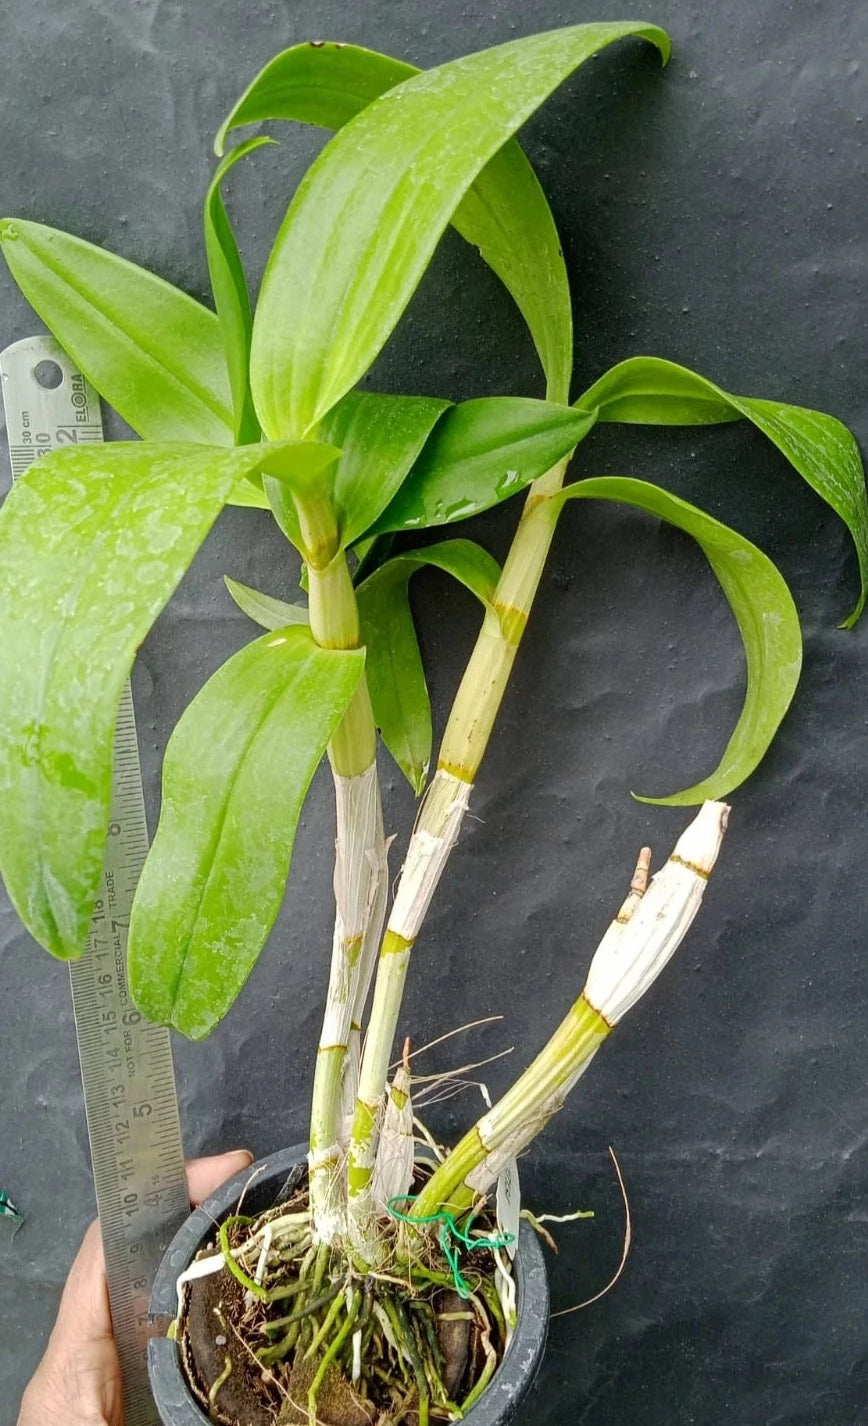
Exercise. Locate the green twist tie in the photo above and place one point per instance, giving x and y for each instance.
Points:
(8, 1208)
(452, 1238)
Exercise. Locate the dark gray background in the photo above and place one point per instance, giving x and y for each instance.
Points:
(713, 213)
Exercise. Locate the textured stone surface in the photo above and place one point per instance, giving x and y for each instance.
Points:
(713, 214)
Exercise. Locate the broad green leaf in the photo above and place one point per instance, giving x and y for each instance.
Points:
(282, 468)
(151, 351)
(504, 213)
(370, 211)
(763, 609)
(235, 776)
(249, 493)
(379, 437)
(396, 679)
(650, 391)
(93, 541)
(479, 454)
(231, 296)
(325, 84)
(264, 609)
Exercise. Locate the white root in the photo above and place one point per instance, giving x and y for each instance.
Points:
(259, 1274)
(505, 1284)
(203, 1267)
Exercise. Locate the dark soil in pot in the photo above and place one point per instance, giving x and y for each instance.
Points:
(210, 1347)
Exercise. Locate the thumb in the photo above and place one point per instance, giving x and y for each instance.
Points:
(84, 1309)
(204, 1175)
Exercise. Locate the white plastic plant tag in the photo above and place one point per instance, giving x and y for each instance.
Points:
(509, 1204)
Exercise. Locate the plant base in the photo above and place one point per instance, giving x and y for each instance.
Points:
(249, 1395)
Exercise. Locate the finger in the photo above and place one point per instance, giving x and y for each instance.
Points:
(204, 1175)
(84, 1306)
(84, 1309)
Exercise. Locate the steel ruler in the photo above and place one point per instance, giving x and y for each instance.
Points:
(126, 1062)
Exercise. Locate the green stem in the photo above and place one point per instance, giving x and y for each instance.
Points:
(518, 1117)
(466, 738)
(334, 622)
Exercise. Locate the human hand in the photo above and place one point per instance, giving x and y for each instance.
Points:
(78, 1381)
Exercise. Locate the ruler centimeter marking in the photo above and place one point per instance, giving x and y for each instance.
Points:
(126, 1062)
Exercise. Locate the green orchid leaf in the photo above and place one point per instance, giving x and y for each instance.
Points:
(479, 454)
(396, 679)
(352, 249)
(236, 773)
(504, 213)
(281, 469)
(380, 438)
(324, 84)
(93, 541)
(763, 609)
(650, 391)
(264, 609)
(249, 493)
(231, 296)
(152, 352)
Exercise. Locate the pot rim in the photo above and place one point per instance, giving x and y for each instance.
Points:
(175, 1402)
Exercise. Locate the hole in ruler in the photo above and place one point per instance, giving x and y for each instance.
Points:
(48, 374)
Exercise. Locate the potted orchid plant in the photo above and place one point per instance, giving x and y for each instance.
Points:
(382, 1287)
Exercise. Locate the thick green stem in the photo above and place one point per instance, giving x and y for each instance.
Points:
(360, 865)
(487, 674)
(466, 738)
(642, 938)
(518, 1117)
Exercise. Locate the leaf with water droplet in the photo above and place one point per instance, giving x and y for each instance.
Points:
(481, 453)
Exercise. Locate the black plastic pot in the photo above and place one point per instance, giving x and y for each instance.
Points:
(275, 1178)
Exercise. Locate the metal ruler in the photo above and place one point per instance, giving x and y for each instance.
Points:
(126, 1063)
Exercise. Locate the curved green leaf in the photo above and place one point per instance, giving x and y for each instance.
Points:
(359, 234)
(325, 84)
(231, 297)
(93, 541)
(151, 351)
(264, 609)
(396, 679)
(479, 454)
(235, 776)
(379, 438)
(763, 608)
(249, 494)
(650, 391)
(504, 214)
